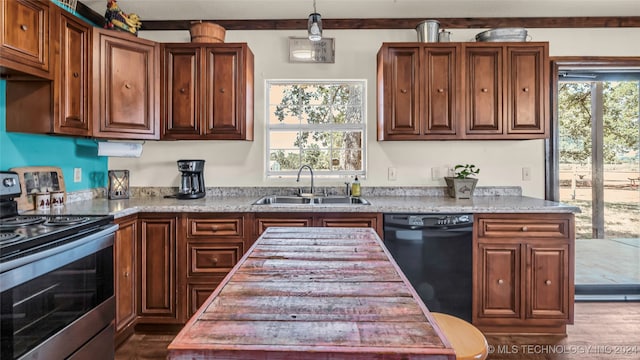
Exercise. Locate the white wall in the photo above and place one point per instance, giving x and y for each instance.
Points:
(240, 163)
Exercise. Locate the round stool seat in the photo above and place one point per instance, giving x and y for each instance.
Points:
(467, 341)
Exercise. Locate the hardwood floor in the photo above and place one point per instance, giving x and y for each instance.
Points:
(602, 331)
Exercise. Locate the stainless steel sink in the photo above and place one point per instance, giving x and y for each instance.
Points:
(316, 200)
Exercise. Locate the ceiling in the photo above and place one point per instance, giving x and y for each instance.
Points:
(153, 10)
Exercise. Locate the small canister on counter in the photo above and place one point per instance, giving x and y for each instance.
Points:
(57, 199)
(42, 201)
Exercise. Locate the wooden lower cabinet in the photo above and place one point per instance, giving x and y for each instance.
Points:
(524, 273)
(157, 259)
(124, 250)
(212, 244)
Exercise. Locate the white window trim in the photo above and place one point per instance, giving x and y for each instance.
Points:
(322, 127)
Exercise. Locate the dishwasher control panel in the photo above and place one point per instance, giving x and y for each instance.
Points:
(428, 220)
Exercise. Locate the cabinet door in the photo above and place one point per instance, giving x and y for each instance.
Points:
(225, 93)
(125, 284)
(400, 93)
(500, 287)
(24, 42)
(526, 109)
(72, 76)
(157, 259)
(126, 94)
(547, 281)
(181, 90)
(484, 90)
(440, 106)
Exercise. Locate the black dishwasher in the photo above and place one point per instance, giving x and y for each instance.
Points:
(434, 253)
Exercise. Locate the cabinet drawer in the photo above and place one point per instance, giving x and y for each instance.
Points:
(527, 228)
(207, 259)
(215, 227)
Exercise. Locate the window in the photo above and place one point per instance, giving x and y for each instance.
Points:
(318, 123)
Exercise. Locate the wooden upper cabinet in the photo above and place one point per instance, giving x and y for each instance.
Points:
(24, 41)
(418, 88)
(207, 91)
(527, 90)
(72, 75)
(452, 91)
(126, 91)
(441, 87)
(484, 90)
(399, 92)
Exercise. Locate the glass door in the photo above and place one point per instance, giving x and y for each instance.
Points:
(598, 170)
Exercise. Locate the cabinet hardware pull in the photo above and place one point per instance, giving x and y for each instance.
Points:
(215, 260)
(404, 91)
(24, 27)
(525, 89)
(127, 85)
(524, 229)
(126, 274)
(75, 74)
(484, 90)
(222, 90)
(440, 90)
(548, 282)
(500, 281)
(182, 91)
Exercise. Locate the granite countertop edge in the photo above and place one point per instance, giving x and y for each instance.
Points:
(379, 204)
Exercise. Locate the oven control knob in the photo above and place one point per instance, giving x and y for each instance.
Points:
(9, 182)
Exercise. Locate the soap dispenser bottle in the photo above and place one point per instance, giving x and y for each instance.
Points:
(355, 187)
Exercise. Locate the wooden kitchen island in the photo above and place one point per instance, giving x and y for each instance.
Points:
(313, 293)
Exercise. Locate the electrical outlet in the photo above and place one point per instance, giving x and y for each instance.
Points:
(77, 174)
(393, 175)
(526, 174)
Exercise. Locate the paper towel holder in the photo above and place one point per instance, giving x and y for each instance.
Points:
(120, 148)
(118, 184)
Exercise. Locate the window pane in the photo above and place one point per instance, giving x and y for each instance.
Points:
(284, 160)
(284, 139)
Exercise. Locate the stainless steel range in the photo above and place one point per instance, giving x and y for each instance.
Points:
(56, 282)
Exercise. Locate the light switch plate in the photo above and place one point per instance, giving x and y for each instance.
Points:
(393, 175)
(77, 174)
(526, 174)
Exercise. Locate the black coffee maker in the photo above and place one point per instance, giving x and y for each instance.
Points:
(192, 179)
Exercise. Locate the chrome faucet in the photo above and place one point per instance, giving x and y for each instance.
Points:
(298, 179)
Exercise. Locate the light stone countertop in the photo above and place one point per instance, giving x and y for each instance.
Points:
(382, 204)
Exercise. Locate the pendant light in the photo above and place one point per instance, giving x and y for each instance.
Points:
(314, 26)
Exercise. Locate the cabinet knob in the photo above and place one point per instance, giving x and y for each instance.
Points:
(484, 90)
(500, 281)
(182, 90)
(214, 260)
(126, 274)
(524, 229)
(127, 85)
(548, 282)
(404, 91)
(222, 90)
(440, 90)
(24, 27)
(75, 74)
(525, 90)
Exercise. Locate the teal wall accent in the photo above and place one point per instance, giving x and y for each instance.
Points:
(67, 153)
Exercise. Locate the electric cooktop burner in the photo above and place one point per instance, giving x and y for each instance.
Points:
(65, 220)
(7, 237)
(21, 220)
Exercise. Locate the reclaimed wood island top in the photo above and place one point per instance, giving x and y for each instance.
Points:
(313, 293)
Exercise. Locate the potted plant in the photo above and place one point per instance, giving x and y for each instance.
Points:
(462, 184)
